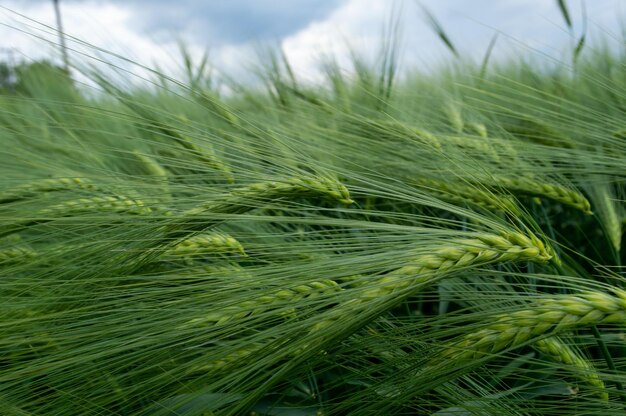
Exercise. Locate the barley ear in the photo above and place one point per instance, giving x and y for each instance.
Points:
(461, 194)
(531, 186)
(206, 244)
(556, 350)
(545, 316)
(32, 189)
(424, 270)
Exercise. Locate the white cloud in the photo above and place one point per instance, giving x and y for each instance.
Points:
(356, 24)
(526, 27)
(103, 25)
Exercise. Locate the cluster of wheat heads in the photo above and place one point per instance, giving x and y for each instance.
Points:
(441, 245)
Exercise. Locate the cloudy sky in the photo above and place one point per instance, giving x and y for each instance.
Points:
(147, 31)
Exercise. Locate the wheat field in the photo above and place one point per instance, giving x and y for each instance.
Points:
(444, 244)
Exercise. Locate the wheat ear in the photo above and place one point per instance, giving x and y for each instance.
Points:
(247, 198)
(456, 255)
(454, 117)
(266, 302)
(208, 157)
(15, 255)
(608, 212)
(208, 243)
(228, 360)
(458, 193)
(244, 199)
(29, 190)
(256, 306)
(117, 204)
(535, 130)
(478, 128)
(546, 316)
(394, 131)
(479, 147)
(459, 254)
(155, 121)
(558, 193)
(156, 172)
(562, 353)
